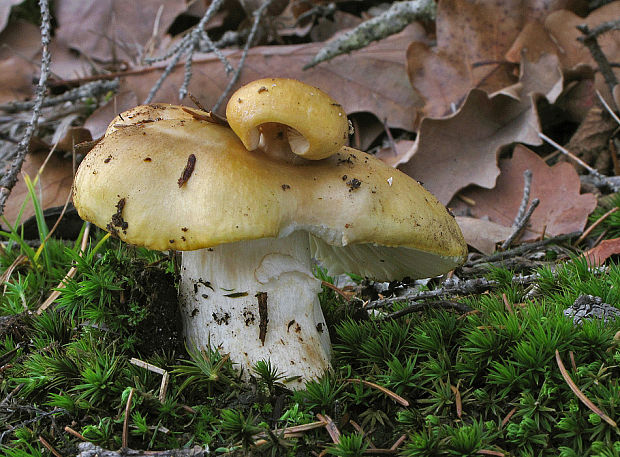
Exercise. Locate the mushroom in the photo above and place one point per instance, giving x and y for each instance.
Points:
(250, 205)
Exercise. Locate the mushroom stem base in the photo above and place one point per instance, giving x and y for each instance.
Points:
(257, 300)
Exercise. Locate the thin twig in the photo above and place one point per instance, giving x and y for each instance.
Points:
(590, 41)
(516, 232)
(608, 108)
(49, 447)
(398, 442)
(92, 89)
(9, 180)
(523, 248)
(188, 45)
(419, 306)
(155, 369)
(451, 287)
(42, 415)
(74, 433)
(257, 17)
(395, 19)
(90, 450)
(330, 426)
(390, 138)
(573, 157)
(527, 184)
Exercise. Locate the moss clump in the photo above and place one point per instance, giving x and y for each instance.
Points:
(487, 380)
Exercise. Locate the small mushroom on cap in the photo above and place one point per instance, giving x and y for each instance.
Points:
(249, 214)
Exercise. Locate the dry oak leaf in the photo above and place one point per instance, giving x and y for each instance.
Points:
(452, 153)
(472, 38)
(372, 79)
(599, 254)
(481, 234)
(562, 208)
(559, 35)
(5, 11)
(107, 30)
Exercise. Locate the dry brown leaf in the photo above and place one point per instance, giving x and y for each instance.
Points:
(372, 79)
(562, 208)
(559, 35)
(53, 188)
(325, 28)
(21, 42)
(5, 11)
(98, 122)
(599, 254)
(452, 153)
(481, 234)
(579, 95)
(19, 60)
(105, 30)
(21, 38)
(535, 39)
(391, 157)
(590, 142)
(472, 38)
(15, 79)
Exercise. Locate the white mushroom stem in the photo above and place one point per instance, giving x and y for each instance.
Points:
(221, 291)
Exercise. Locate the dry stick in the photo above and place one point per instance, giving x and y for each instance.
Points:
(571, 156)
(527, 185)
(519, 228)
(590, 41)
(257, 17)
(49, 447)
(585, 400)
(416, 306)
(607, 107)
(155, 369)
(91, 450)
(471, 286)
(22, 424)
(74, 433)
(358, 428)
(330, 426)
(188, 45)
(9, 180)
(599, 180)
(585, 234)
(389, 137)
(522, 216)
(398, 442)
(523, 248)
(93, 89)
(392, 21)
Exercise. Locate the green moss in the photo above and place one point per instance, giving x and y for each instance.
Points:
(487, 380)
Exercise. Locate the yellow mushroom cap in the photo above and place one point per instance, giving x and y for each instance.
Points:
(363, 216)
(317, 124)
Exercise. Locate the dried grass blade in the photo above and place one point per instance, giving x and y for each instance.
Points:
(585, 400)
(389, 393)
